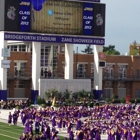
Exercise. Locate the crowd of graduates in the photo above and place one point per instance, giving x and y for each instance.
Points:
(80, 123)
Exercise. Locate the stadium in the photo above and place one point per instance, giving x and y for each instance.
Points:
(47, 91)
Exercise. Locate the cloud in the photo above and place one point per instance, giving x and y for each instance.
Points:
(37, 4)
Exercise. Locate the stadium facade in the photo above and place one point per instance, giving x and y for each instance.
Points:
(121, 75)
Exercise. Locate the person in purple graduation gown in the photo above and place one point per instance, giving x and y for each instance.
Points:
(129, 136)
(30, 136)
(59, 122)
(48, 132)
(30, 127)
(79, 114)
(112, 133)
(23, 118)
(64, 123)
(134, 135)
(90, 137)
(81, 135)
(23, 136)
(85, 135)
(53, 135)
(98, 135)
(53, 121)
(138, 134)
(109, 134)
(37, 127)
(56, 138)
(71, 135)
(43, 124)
(45, 132)
(69, 127)
(78, 124)
(118, 134)
(124, 133)
(15, 118)
(78, 133)
(37, 137)
(42, 137)
(92, 132)
(9, 118)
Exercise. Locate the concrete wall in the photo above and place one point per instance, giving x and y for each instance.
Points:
(62, 84)
(19, 93)
(122, 93)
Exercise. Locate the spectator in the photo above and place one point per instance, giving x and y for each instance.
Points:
(10, 104)
(16, 72)
(84, 73)
(46, 73)
(49, 73)
(42, 73)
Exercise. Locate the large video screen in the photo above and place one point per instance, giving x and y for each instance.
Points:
(55, 17)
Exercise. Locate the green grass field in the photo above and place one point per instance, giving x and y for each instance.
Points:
(12, 132)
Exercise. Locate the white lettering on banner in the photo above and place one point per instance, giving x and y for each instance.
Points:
(88, 17)
(25, 3)
(82, 40)
(24, 17)
(24, 23)
(87, 22)
(98, 41)
(88, 9)
(40, 38)
(66, 40)
(88, 27)
(20, 37)
(60, 39)
(24, 13)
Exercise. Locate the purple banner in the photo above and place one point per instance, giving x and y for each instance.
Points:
(88, 19)
(25, 12)
(54, 39)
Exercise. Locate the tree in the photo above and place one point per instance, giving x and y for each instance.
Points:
(53, 93)
(134, 50)
(66, 94)
(88, 50)
(110, 50)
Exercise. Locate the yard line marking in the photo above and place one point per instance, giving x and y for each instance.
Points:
(10, 132)
(17, 129)
(8, 136)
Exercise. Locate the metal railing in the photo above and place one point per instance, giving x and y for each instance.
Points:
(126, 77)
(121, 77)
(62, 75)
(21, 75)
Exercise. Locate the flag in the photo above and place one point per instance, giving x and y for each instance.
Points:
(53, 102)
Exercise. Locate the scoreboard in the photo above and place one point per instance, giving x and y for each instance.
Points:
(55, 17)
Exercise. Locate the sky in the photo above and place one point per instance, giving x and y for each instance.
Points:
(122, 24)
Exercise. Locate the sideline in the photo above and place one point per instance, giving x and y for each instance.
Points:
(8, 136)
(17, 129)
(9, 132)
